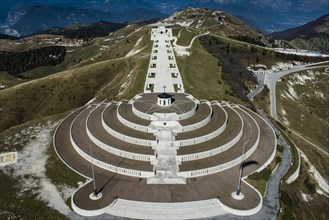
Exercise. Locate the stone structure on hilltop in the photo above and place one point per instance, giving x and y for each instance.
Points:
(164, 153)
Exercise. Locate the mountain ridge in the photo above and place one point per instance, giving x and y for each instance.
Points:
(311, 36)
(266, 16)
(306, 30)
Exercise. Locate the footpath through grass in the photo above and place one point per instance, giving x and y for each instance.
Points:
(185, 37)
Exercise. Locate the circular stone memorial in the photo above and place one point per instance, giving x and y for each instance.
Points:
(165, 155)
(187, 154)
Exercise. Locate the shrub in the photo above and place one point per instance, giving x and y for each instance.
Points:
(310, 186)
(265, 174)
(280, 148)
(285, 198)
(278, 159)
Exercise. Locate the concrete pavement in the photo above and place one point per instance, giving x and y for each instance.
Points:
(260, 80)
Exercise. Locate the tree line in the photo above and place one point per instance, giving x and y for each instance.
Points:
(15, 63)
(248, 39)
(234, 73)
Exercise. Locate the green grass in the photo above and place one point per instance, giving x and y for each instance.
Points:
(262, 100)
(56, 170)
(259, 179)
(139, 79)
(91, 52)
(200, 73)
(9, 80)
(175, 30)
(185, 37)
(75, 58)
(260, 184)
(59, 92)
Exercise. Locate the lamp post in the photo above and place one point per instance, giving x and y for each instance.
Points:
(241, 168)
(95, 193)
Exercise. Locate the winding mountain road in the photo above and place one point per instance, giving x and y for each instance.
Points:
(270, 80)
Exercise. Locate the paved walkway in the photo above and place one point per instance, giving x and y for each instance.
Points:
(163, 74)
(260, 80)
(165, 165)
(137, 210)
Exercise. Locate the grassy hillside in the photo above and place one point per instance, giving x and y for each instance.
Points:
(317, 42)
(61, 91)
(309, 92)
(202, 75)
(302, 102)
(100, 49)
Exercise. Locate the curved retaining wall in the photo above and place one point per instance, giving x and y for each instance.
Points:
(269, 160)
(200, 123)
(146, 116)
(213, 152)
(141, 114)
(85, 212)
(59, 156)
(295, 175)
(106, 166)
(126, 138)
(189, 113)
(116, 151)
(247, 212)
(131, 124)
(206, 137)
(221, 167)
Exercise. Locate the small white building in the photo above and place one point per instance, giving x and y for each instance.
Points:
(164, 99)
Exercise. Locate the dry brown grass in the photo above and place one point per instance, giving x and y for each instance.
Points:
(61, 91)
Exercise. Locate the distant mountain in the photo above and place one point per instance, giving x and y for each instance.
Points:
(313, 35)
(31, 19)
(264, 15)
(35, 18)
(270, 15)
(99, 29)
(318, 26)
(5, 36)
